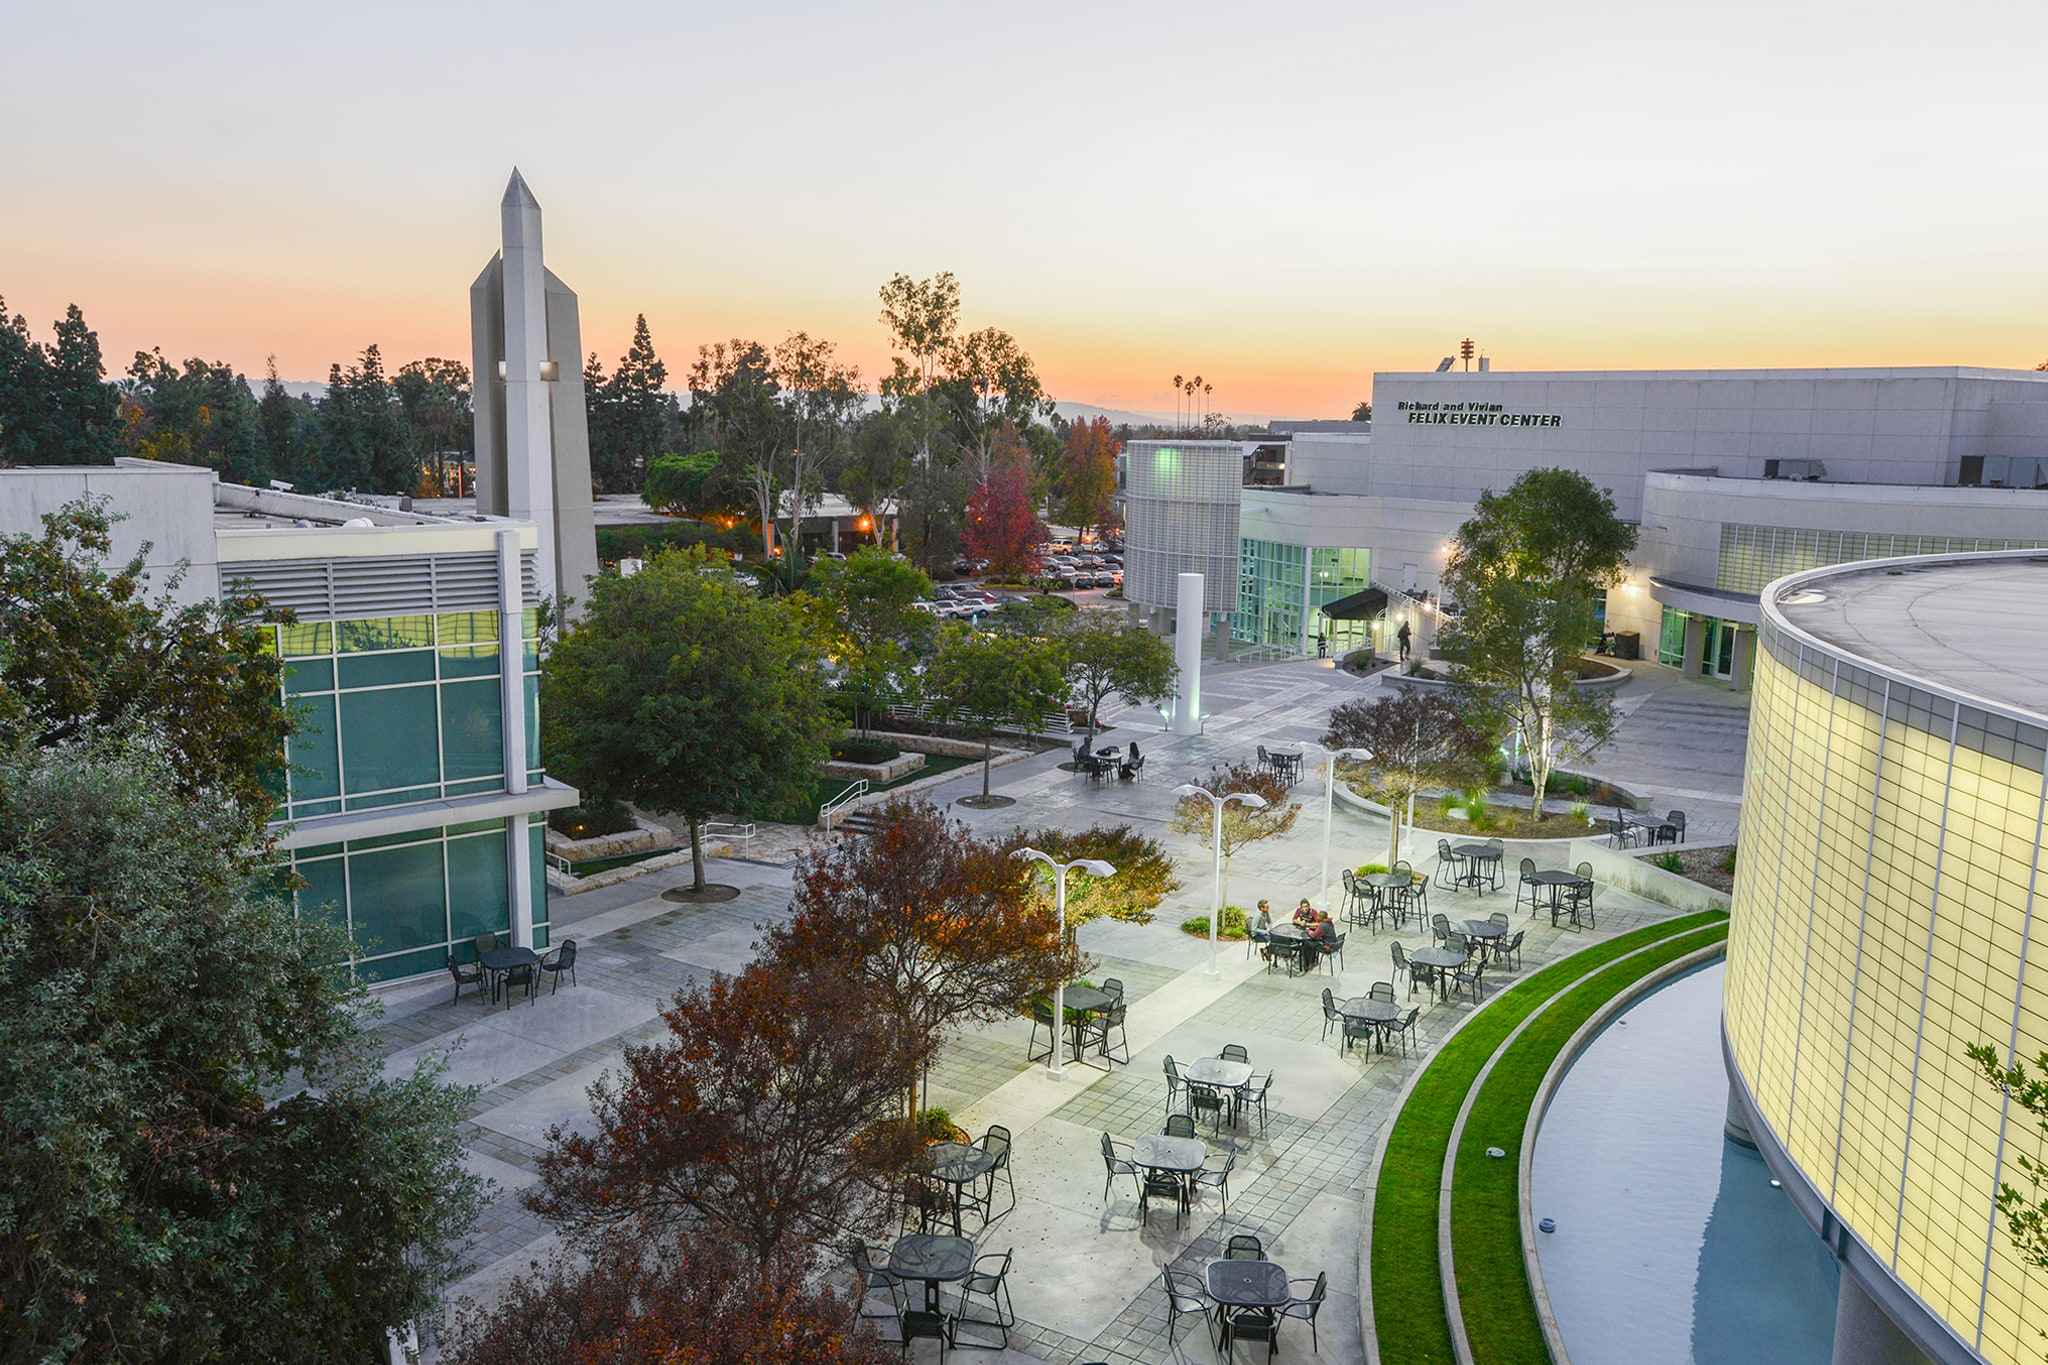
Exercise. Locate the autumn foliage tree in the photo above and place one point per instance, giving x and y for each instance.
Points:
(1002, 517)
(648, 1300)
(1088, 478)
(1417, 740)
(1242, 824)
(756, 1119)
(938, 926)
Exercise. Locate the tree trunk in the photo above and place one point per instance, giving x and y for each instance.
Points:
(696, 854)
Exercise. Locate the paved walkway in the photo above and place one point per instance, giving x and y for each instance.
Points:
(1086, 1282)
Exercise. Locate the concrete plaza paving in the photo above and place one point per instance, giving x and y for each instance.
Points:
(1086, 1280)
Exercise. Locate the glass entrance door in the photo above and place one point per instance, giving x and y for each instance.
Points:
(1718, 659)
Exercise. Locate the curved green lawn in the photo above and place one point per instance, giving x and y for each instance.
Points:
(1486, 1209)
(1407, 1293)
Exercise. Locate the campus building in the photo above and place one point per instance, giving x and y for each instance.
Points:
(1733, 477)
(413, 793)
(1884, 902)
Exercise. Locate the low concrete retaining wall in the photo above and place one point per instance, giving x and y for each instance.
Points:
(900, 766)
(642, 836)
(1631, 870)
(927, 744)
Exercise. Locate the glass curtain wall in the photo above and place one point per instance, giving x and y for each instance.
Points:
(1332, 574)
(394, 710)
(1270, 583)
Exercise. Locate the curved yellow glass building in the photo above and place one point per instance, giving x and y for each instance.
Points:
(1885, 919)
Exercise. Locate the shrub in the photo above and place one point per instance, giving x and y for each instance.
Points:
(1728, 863)
(1670, 862)
(596, 816)
(937, 1125)
(864, 751)
(615, 543)
(1581, 811)
(1236, 925)
(1367, 869)
(1477, 813)
(1144, 873)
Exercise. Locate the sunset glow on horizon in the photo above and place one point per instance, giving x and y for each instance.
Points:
(1283, 201)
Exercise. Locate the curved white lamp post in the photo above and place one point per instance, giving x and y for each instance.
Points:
(1253, 801)
(1094, 867)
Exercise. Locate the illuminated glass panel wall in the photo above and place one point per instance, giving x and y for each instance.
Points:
(1890, 845)
(1751, 556)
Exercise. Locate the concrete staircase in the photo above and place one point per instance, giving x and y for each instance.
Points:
(858, 823)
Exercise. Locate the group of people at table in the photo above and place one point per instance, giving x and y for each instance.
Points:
(1302, 941)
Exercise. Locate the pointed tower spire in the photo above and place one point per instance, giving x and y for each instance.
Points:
(517, 194)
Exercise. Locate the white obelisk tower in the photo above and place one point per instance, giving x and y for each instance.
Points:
(1187, 653)
(532, 435)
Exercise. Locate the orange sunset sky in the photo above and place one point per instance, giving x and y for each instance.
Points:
(1282, 198)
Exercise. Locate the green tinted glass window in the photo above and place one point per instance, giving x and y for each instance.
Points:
(469, 644)
(310, 752)
(310, 637)
(478, 898)
(389, 739)
(310, 675)
(325, 894)
(536, 850)
(472, 741)
(398, 898)
(383, 670)
(386, 632)
(533, 722)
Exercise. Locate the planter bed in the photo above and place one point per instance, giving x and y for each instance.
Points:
(1707, 866)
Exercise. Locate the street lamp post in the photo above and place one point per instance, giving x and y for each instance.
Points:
(1330, 801)
(1253, 801)
(1094, 867)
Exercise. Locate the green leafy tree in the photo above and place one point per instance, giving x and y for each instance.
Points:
(21, 390)
(364, 444)
(632, 415)
(878, 632)
(1107, 656)
(923, 318)
(204, 1160)
(988, 682)
(285, 427)
(2025, 1211)
(1087, 497)
(1525, 570)
(200, 413)
(1144, 872)
(933, 512)
(434, 403)
(78, 410)
(878, 464)
(683, 690)
(992, 383)
(84, 646)
(681, 483)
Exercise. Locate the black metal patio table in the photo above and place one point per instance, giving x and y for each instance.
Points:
(1383, 882)
(1084, 1001)
(1378, 1013)
(933, 1258)
(499, 961)
(1475, 855)
(958, 1164)
(1288, 938)
(1255, 1287)
(1180, 1157)
(1487, 934)
(1439, 960)
(1557, 879)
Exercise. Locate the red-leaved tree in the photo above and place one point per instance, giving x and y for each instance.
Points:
(1002, 517)
(766, 1118)
(938, 927)
(665, 1298)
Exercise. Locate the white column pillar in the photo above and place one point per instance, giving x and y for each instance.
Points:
(529, 424)
(1187, 652)
(512, 727)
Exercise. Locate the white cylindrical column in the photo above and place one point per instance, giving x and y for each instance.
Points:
(1187, 652)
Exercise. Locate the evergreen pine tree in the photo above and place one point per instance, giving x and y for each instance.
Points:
(22, 373)
(81, 410)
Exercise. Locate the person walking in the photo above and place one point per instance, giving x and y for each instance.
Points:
(1402, 636)
(1322, 645)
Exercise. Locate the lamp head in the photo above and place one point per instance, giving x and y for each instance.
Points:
(1031, 854)
(1251, 799)
(1094, 867)
(1190, 789)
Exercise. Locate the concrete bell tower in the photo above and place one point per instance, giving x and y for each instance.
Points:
(532, 434)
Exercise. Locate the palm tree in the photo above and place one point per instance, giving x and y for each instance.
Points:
(1178, 388)
(1195, 388)
(1207, 409)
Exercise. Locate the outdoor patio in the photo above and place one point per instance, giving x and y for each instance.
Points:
(1086, 1277)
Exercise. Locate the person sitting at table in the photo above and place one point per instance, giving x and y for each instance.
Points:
(1315, 927)
(1262, 930)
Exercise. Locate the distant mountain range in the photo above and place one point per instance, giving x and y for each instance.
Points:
(1073, 412)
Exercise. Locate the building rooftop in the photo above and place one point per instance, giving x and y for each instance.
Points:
(1972, 625)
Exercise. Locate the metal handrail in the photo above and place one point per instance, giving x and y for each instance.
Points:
(728, 829)
(841, 801)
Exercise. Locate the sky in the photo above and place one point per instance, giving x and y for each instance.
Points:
(1282, 199)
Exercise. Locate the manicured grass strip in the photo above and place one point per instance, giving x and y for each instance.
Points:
(1486, 1209)
(1407, 1295)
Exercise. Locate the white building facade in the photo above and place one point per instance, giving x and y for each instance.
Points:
(413, 792)
(1733, 477)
